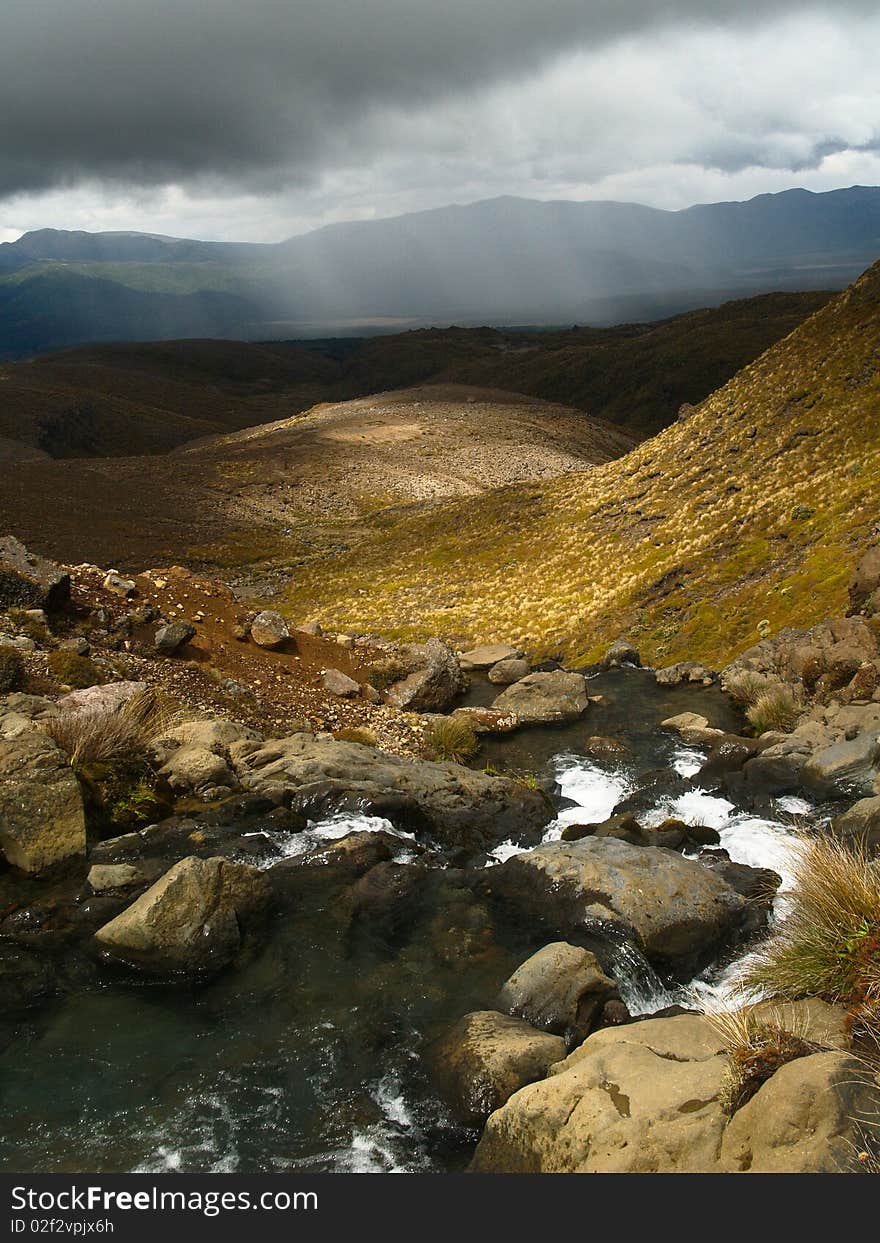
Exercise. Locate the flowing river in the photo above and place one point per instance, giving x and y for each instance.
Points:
(308, 1056)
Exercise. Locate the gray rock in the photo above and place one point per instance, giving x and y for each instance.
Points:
(113, 876)
(453, 805)
(861, 823)
(433, 687)
(848, 769)
(169, 638)
(28, 580)
(676, 909)
(481, 658)
(621, 652)
(118, 585)
(42, 820)
(194, 769)
(190, 920)
(866, 580)
(337, 683)
(507, 672)
(269, 629)
(685, 671)
(561, 989)
(544, 697)
(108, 698)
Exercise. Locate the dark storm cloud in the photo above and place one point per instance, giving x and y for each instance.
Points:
(269, 91)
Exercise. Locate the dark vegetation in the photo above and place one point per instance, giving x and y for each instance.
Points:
(126, 399)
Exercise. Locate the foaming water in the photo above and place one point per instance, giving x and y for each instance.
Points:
(594, 790)
(289, 845)
(308, 1056)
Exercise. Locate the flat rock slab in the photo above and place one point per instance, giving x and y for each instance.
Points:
(480, 658)
(456, 806)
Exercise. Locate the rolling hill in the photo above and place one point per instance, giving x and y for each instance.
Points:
(749, 510)
(125, 399)
(303, 488)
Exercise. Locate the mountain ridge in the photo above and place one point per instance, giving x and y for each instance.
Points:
(503, 260)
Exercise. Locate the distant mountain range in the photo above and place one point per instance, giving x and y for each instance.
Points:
(502, 261)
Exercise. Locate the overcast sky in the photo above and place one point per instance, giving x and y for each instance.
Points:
(256, 120)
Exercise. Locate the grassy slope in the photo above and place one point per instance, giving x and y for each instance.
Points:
(685, 545)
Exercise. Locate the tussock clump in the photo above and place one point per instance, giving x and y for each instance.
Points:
(105, 736)
(452, 739)
(775, 709)
(11, 670)
(757, 1046)
(829, 946)
(747, 689)
(72, 670)
(357, 733)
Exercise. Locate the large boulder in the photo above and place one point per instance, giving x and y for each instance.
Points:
(647, 1098)
(865, 581)
(42, 820)
(192, 769)
(487, 1057)
(678, 911)
(805, 1119)
(28, 580)
(448, 803)
(848, 769)
(861, 823)
(190, 920)
(172, 636)
(269, 629)
(506, 672)
(560, 989)
(108, 698)
(621, 652)
(433, 686)
(335, 682)
(544, 697)
(643, 1098)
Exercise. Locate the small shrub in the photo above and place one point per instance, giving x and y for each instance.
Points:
(528, 781)
(747, 688)
(775, 709)
(11, 670)
(357, 733)
(384, 673)
(30, 626)
(453, 739)
(829, 946)
(73, 670)
(104, 736)
(757, 1046)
